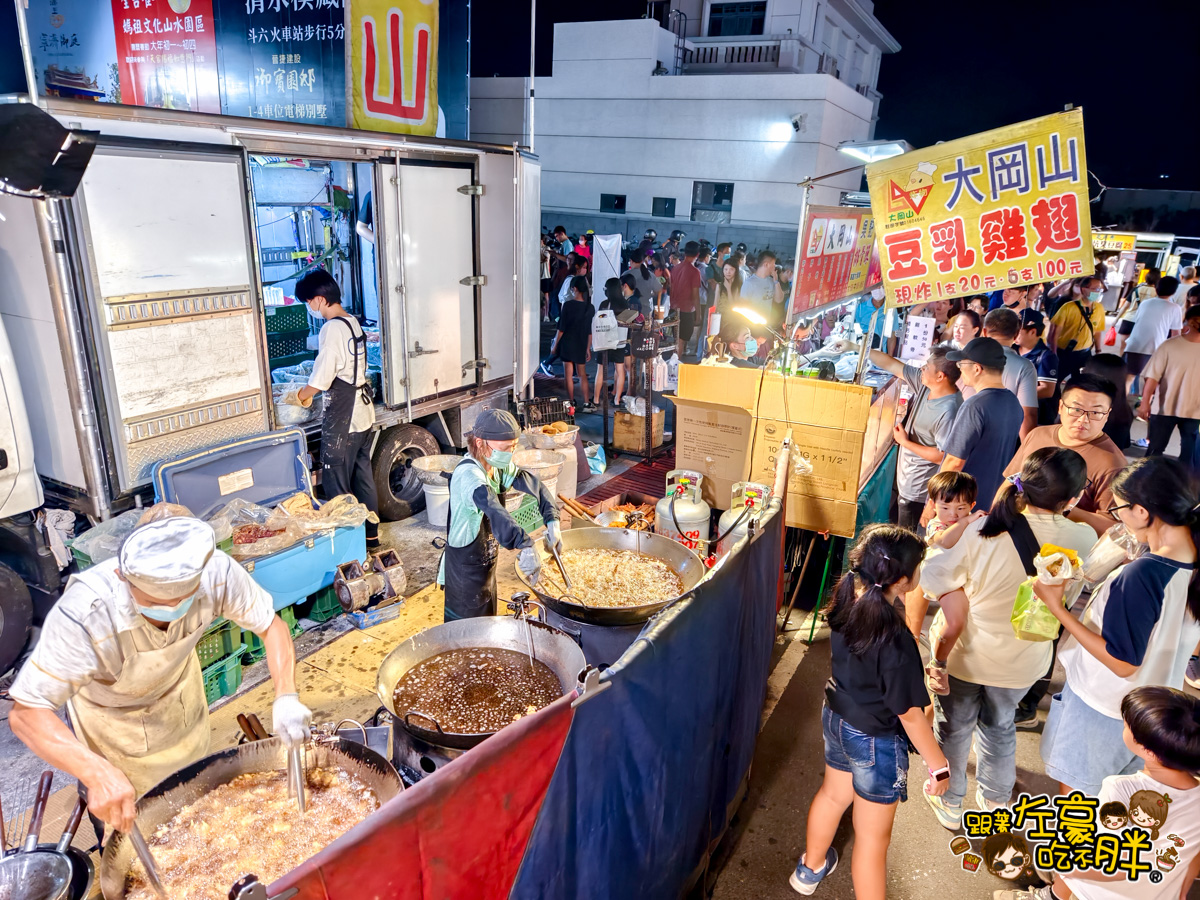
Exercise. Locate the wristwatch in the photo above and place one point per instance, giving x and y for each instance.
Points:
(941, 774)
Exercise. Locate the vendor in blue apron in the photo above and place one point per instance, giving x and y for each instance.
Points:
(340, 370)
(479, 522)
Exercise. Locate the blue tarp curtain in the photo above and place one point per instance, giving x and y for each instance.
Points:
(650, 768)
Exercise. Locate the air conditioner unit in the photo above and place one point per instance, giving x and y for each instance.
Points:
(827, 65)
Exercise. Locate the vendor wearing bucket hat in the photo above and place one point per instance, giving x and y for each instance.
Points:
(118, 651)
(479, 520)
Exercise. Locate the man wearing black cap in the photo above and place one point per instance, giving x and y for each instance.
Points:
(1031, 346)
(988, 425)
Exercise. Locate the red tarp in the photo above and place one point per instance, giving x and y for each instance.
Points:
(462, 834)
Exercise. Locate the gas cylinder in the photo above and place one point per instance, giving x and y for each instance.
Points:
(683, 504)
(749, 498)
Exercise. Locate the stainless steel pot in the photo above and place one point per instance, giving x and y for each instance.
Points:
(550, 646)
(686, 563)
(162, 802)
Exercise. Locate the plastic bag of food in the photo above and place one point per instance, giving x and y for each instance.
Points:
(247, 525)
(1031, 619)
(1116, 547)
(104, 541)
(343, 511)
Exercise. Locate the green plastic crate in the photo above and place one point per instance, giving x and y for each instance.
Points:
(281, 362)
(324, 607)
(286, 318)
(528, 516)
(220, 640)
(254, 647)
(286, 343)
(223, 678)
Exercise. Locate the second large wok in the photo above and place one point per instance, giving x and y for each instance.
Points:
(687, 566)
(163, 801)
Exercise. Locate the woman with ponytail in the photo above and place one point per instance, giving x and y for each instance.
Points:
(874, 697)
(978, 669)
(1139, 629)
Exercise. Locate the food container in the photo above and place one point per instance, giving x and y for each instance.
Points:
(264, 469)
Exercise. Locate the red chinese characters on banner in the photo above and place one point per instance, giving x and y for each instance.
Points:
(167, 54)
(839, 256)
(904, 254)
(950, 250)
(1003, 235)
(1056, 221)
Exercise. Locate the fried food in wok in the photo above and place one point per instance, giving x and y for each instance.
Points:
(249, 825)
(614, 578)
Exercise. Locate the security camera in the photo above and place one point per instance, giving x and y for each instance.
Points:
(798, 122)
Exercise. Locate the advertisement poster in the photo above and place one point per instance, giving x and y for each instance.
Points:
(283, 59)
(839, 257)
(997, 209)
(1113, 241)
(74, 50)
(167, 54)
(393, 65)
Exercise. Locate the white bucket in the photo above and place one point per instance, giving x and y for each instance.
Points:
(568, 478)
(437, 503)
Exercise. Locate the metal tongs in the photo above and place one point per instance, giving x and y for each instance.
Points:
(142, 849)
(561, 567)
(296, 777)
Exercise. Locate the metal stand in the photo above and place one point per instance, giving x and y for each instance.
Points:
(645, 346)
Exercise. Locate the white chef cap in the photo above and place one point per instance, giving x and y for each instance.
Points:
(166, 558)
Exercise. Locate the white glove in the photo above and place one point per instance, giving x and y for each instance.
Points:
(293, 398)
(291, 719)
(554, 536)
(529, 564)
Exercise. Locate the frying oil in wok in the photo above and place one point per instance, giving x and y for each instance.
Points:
(475, 690)
(249, 825)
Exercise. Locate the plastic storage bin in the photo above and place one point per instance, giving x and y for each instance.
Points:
(264, 469)
(253, 644)
(223, 678)
(528, 516)
(219, 641)
(286, 318)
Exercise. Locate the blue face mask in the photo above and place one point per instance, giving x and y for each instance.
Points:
(1095, 296)
(166, 613)
(751, 346)
(500, 458)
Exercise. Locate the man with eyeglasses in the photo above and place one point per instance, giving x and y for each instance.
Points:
(1084, 409)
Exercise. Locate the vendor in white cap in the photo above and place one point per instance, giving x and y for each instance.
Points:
(118, 649)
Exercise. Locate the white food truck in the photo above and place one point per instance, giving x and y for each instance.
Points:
(133, 313)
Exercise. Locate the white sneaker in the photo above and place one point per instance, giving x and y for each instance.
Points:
(984, 803)
(949, 817)
(1192, 674)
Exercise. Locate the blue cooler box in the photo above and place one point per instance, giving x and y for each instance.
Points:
(264, 469)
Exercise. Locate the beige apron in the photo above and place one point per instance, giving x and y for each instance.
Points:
(153, 720)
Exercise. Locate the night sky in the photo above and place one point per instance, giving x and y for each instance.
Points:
(967, 66)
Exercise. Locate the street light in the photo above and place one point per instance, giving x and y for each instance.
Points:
(873, 151)
(865, 152)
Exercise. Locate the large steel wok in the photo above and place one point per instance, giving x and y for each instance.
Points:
(686, 563)
(550, 646)
(162, 802)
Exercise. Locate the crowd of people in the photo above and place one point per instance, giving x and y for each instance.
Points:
(684, 281)
(1013, 446)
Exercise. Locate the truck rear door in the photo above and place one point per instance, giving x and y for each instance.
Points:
(166, 250)
(425, 238)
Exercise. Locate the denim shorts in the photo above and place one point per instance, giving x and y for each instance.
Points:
(879, 765)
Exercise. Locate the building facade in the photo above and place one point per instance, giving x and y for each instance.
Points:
(705, 125)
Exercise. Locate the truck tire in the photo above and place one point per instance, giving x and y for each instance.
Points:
(16, 617)
(400, 493)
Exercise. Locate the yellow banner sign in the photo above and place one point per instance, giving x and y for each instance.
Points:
(994, 210)
(393, 65)
(1111, 241)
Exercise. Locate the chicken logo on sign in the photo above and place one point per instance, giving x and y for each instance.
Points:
(914, 194)
(395, 65)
